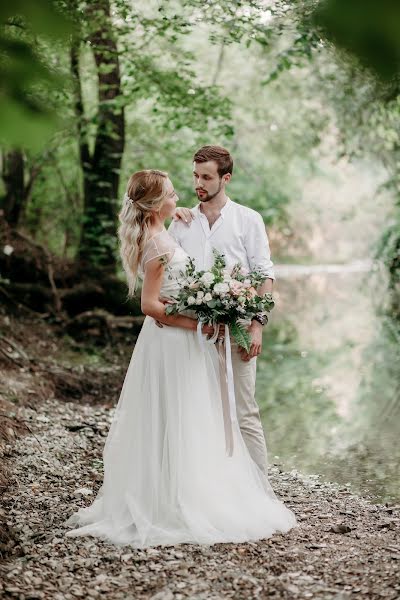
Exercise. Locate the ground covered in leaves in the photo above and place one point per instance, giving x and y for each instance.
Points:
(344, 547)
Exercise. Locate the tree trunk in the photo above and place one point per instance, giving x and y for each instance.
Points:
(14, 199)
(97, 248)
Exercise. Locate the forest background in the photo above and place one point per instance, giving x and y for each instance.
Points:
(94, 91)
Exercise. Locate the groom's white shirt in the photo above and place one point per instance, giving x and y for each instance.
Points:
(239, 233)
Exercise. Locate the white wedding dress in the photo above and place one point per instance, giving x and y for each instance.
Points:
(167, 476)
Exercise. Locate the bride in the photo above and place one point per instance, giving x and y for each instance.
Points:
(167, 477)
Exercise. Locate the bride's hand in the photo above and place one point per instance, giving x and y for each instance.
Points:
(207, 329)
(210, 330)
(166, 301)
(183, 214)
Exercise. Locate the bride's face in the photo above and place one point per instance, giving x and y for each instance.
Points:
(168, 205)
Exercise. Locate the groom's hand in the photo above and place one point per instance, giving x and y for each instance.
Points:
(183, 214)
(255, 331)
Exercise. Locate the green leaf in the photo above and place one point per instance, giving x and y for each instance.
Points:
(240, 335)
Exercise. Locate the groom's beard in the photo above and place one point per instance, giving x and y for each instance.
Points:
(209, 197)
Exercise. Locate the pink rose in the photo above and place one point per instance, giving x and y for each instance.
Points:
(236, 287)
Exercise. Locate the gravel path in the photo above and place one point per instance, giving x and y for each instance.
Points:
(345, 547)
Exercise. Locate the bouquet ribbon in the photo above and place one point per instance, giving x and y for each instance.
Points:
(226, 379)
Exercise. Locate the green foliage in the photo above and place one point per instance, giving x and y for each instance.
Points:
(241, 336)
(157, 66)
(56, 202)
(26, 76)
(353, 53)
(389, 252)
(176, 97)
(191, 73)
(365, 94)
(369, 30)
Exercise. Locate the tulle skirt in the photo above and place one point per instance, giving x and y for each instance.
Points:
(167, 476)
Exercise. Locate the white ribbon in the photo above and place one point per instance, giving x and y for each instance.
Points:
(226, 380)
(229, 375)
(210, 340)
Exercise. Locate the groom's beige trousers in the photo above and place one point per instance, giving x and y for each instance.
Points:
(248, 413)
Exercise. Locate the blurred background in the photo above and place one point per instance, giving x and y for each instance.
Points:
(305, 94)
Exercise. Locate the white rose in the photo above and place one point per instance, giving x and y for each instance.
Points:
(207, 278)
(200, 294)
(191, 300)
(247, 283)
(221, 288)
(199, 301)
(207, 297)
(226, 275)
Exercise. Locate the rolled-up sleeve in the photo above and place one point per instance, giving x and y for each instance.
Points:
(257, 246)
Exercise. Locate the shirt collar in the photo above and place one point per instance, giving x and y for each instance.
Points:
(223, 209)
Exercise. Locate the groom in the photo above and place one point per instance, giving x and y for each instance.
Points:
(239, 233)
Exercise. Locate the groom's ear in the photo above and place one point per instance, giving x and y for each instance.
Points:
(227, 177)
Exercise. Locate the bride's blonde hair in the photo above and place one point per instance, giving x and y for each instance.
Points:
(144, 194)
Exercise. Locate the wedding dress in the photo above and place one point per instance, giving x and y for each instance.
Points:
(167, 476)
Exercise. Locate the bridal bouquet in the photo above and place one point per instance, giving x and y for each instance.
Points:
(222, 295)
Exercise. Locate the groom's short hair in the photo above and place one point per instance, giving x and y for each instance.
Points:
(217, 153)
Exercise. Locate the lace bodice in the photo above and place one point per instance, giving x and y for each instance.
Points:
(163, 245)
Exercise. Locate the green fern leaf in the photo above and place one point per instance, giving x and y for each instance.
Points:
(241, 336)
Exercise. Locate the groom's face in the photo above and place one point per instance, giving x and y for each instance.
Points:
(207, 181)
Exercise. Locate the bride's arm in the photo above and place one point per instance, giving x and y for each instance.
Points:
(151, 304)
